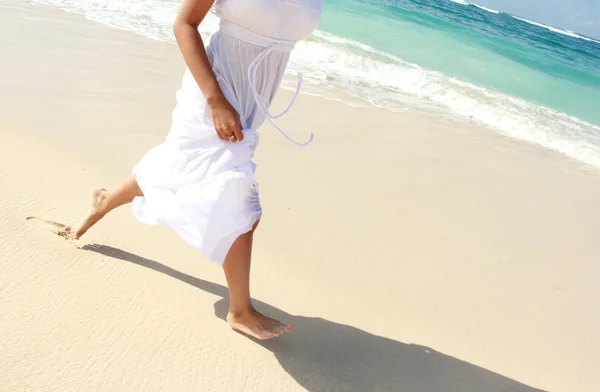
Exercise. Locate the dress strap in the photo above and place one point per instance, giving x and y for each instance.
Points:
(252, 74)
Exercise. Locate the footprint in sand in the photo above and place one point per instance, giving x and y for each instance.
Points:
(57, 228)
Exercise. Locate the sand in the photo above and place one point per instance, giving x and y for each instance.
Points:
(409, 251)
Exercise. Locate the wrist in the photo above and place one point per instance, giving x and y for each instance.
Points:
(214, 96)
(215, 100)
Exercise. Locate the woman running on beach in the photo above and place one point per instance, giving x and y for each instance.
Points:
(200, 181)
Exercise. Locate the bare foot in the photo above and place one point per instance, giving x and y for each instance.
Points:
(257, 325)
(97, 212)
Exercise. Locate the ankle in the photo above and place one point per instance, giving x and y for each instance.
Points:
(241, 311)
(101, 202)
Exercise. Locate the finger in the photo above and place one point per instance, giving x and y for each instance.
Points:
(230, 138)
(221, 135)
(239, 135)
(230, 132)
(225, 136)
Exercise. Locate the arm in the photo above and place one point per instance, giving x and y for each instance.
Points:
(191, 14)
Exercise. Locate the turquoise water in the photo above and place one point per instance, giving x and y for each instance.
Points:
(528, 81)
(489, 49)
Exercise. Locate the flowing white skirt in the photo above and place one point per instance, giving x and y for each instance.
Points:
(198, 185)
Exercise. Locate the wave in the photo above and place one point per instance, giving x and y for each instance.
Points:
(547, 27)
(556, 30)
(151, 18)
(463, 2)
(386, 81)
(493, 11)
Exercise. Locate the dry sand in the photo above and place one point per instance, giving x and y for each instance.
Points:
(411, 253)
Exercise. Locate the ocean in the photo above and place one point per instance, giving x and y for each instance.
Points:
(526, 80)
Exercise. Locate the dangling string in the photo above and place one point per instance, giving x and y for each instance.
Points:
(252, 75)
(253, 81)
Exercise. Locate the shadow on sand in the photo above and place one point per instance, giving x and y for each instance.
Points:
(325, 356)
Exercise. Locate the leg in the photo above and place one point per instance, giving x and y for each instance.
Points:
(104, 201)
(242, 316)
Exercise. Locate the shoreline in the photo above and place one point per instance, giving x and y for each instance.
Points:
(392, 237)
(545, 131)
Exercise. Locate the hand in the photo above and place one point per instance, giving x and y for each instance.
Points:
(226, 120)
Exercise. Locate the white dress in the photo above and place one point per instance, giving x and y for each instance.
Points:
(200, 186)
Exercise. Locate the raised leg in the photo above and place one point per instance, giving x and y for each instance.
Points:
(242, 316)
(104, 201)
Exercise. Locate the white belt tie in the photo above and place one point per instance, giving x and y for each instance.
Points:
(270, 45)
(252, 71)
